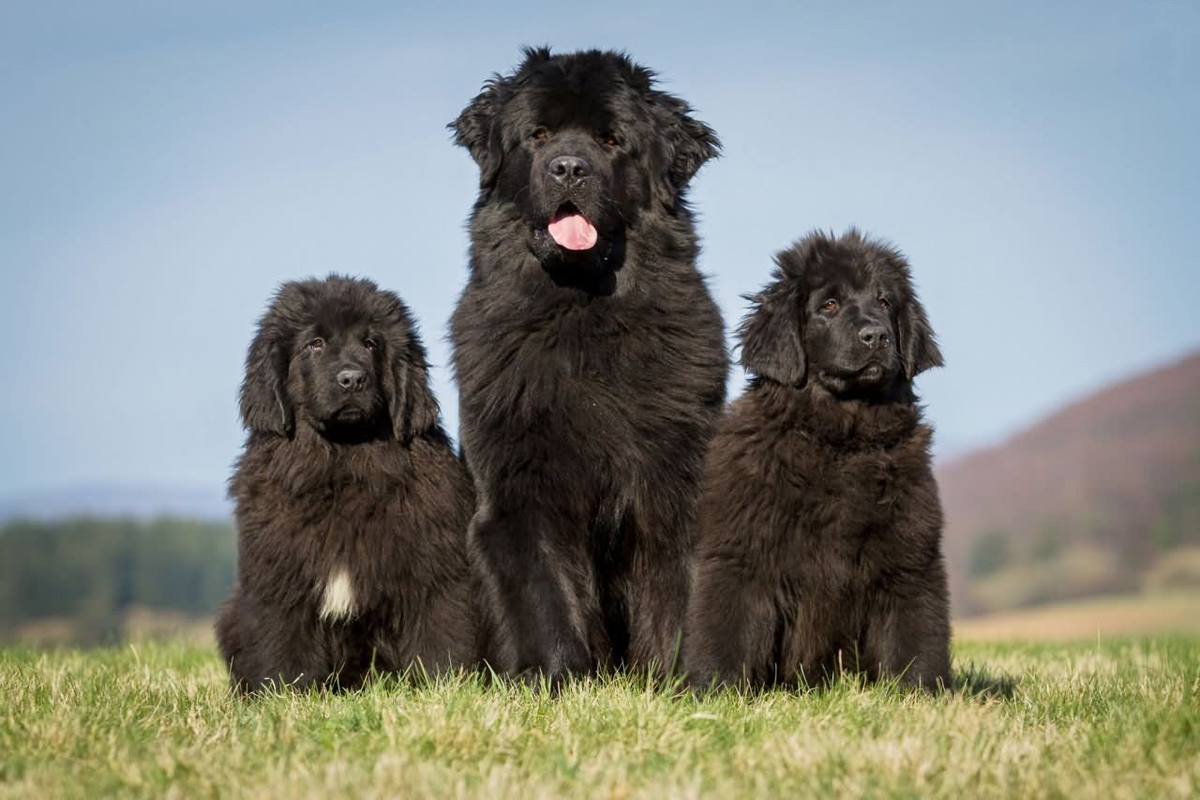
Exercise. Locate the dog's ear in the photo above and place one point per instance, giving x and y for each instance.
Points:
(690, 141)
(918, 345)
(413, 408)
(694, 143)
(411, 404)
(475, 130)
(264, 401)
(771, 333)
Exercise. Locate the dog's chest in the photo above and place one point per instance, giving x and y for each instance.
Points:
(607, 372)
(853, 508)
(603, 352)
(338, 601)
(347, 556)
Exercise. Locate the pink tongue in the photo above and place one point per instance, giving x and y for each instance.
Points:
(573, 232)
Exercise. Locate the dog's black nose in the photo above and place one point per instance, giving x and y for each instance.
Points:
(569, 170)
(874, 336)
(352, 380)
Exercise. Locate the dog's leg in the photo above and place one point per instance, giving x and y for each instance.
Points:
(265, 649)
(732, 625)
(657, 589)
(447, 637)
(538, 591)
(908, 632)
(657, 535)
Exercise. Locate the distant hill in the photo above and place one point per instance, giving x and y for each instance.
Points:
(1102, 496)
(119, 500)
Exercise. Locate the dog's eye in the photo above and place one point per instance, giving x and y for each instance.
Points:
(316, 344)
(830, 305)
(539, 134)
(610, 139)
(883, 301)
(371, 344)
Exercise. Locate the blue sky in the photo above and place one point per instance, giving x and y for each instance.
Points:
(165, 166)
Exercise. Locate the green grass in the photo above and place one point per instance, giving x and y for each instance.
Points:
(1114, 718)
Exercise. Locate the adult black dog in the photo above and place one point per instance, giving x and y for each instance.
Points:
(590, 362)
(820, 541)
(351, 506)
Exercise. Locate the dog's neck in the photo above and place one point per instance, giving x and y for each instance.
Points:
(318, 465)
(342, 440)
(853, 422)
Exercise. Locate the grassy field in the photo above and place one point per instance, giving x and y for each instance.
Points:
(1113, 718)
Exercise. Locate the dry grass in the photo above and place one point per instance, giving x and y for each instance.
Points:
(1176, 611)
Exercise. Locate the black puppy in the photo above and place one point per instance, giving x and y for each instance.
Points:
(351, 506)
(590, 361)
(820, 541)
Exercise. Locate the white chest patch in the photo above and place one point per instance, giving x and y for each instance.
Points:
(337, 602)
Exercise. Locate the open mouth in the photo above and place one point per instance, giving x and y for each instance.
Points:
(571, 230)
(350, 413)
(872, 372)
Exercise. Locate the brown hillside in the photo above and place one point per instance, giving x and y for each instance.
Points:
(1081, 502)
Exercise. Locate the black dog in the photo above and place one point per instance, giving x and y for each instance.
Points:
(590, 360)
(820, 541)
(351, 506)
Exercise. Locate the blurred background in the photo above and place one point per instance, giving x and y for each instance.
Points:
(166, 166)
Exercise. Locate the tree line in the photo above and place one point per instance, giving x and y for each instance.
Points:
(90, 572)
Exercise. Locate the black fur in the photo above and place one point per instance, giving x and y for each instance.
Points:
(820, 536)
(589, 380)
(346, 467)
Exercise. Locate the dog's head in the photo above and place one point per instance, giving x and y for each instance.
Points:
(341, 356)
(841, 312)
(581, 144)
